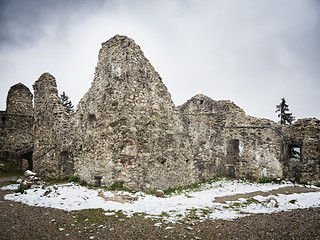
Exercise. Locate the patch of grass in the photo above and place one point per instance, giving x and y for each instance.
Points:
(252, 200)
(165, 214)
(89, 216)
(192, 215)
(188, 196)
(265, 179)
(151, 192)
(205, 212)
(12, 181)
(20, 190)
(236, 204)
(170, 191)
(9, 169)
(118, 186)
(119, 214)
(137, 214)
(74, 178)
(242, 212)
(194, 187)
(247, 180)
(97, 216)
(244, 204)
(55, 181)
(47, 192)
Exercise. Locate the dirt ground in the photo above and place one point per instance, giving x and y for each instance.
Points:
(19, 221)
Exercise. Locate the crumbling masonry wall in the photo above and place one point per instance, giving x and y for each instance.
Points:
(227, 141)
(127, 129)
(16, 136)
(51, 156)
(304, 134)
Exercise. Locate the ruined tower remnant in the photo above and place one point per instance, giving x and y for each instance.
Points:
(16, 124)
(127, 129)
(51, 157)
(19, 100)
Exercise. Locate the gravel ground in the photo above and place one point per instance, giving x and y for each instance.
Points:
(19, 221)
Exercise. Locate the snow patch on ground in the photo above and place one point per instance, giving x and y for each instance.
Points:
(197, 205)
(11, 187)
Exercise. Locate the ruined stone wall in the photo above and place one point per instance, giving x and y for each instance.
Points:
(227, 141)
(126, 127)
(16, 137)
(304, 134)
(204, 121)
(51, 156)
(257, 145)
(19, 100)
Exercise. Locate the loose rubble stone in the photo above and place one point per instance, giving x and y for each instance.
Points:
(30, 179)
(29, 173)
(159, 193)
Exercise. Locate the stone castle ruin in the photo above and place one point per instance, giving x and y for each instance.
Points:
(127, 129)
(16, 136)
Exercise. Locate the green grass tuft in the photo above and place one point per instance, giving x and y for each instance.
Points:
(74, 178)
(266, 180)
(20, 190)
(118, 186)
(194, 186)
(90, 216)
(9, 169)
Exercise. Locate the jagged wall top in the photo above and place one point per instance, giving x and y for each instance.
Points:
(51, 134)
(19, 100)
(127, 129)
(121, 73)
(46, 93)
(127, 123)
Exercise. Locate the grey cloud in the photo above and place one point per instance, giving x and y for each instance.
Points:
(251, 52)
(25, 22)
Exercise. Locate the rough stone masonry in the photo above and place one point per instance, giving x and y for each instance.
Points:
(127, 129)
(16, 135)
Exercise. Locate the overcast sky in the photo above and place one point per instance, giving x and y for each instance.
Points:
(252, 52)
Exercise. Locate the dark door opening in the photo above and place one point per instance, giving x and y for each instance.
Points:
(28, 156)
(232, 157)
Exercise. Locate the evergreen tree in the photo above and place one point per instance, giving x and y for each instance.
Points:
(66, 103)
(284, 115)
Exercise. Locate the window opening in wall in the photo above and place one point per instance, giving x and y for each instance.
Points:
(3, 119)
(294, 153)
(92, 117)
